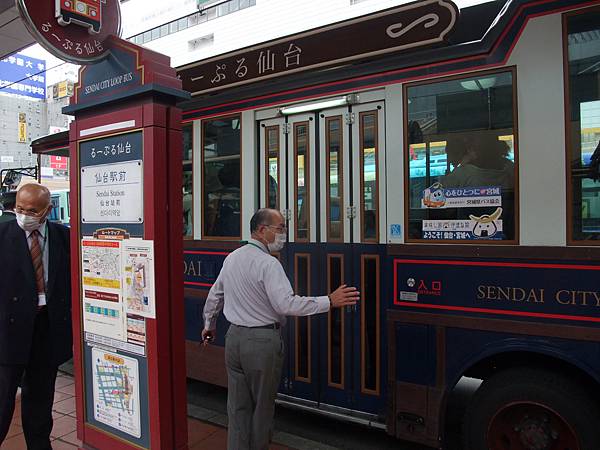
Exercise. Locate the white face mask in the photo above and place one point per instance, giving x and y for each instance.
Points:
(28, 223)
(278, 243)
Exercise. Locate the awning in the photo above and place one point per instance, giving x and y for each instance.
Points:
(13, 34)
(56, 144)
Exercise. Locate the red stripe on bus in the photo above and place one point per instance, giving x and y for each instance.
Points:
(499, 312)
(194, 252)
(498, 264)
(195, 283)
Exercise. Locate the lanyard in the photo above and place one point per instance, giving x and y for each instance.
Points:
(257, 246)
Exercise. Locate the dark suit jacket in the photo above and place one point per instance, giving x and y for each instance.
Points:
(7, 216)
(18, 295)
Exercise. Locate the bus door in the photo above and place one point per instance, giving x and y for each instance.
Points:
(288, 159)
(368, 247)
(352, 225)
(333, 156)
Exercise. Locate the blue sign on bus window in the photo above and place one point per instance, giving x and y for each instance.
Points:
(23, 75)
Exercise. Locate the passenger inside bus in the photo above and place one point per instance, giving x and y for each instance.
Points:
(223, 203)
(481, 160)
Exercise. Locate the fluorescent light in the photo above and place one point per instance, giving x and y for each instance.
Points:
(331, 103)
(480, 84)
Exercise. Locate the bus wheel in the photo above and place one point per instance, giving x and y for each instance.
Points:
(531, 409)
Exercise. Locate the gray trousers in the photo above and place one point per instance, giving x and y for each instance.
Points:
(254, 358)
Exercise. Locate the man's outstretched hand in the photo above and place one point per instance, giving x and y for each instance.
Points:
(344, 296)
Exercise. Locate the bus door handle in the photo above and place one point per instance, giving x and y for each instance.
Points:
(353, 308)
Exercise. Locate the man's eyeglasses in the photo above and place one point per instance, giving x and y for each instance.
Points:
(29, 212)
(279, 229)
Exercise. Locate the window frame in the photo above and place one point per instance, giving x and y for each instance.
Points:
(307, 181)
(405, 113)
(267, 129)
(191, 127)
(568, 132)
(361, 158)
(203, 235)
(340, 165)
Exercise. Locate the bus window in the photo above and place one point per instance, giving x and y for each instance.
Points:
(461, 159)
(368, 177)
(334, 179)
(273, 169)
(188, 197)
(583, 125)
(221, 201)
(302, 180)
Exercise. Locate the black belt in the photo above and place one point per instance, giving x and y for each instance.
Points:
(271, 326)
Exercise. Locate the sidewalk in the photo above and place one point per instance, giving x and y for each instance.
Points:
(201, 435)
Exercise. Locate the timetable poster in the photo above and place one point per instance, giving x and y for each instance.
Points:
(101, 288)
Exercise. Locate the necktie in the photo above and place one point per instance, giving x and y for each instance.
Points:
(36, 259)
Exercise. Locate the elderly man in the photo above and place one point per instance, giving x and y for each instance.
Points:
(256, 296)
(35, 313)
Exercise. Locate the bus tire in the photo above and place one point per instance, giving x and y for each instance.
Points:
(526, 408)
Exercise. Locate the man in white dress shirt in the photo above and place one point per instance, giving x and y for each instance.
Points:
(255, 295)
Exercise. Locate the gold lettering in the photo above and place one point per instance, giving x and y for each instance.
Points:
(503, 293)
(520, 291)
(533, 296)
(584, 295)
(191, 269)
(597, 297)
(481, 292)
(560, 297)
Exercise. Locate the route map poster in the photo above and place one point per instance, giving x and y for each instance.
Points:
(101, 286)
(138, 278)
(116, 391)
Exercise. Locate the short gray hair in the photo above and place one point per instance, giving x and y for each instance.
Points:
(260, 217)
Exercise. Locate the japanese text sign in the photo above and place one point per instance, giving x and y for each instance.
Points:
(72, 31)
(412, 25)
(23, 75)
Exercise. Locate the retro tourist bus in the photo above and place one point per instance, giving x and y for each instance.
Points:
(448, 166)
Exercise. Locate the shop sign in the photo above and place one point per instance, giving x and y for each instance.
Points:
(58, 162)
(418, 24)
(22, 128)
(62, 89)
(23, 75)
(75, 31)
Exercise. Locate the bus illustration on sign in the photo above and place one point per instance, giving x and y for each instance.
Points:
(87, 13)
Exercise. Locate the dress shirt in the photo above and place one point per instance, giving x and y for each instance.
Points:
(253, 290)
(42, 239)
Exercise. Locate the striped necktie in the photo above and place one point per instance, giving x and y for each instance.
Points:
(36, 259)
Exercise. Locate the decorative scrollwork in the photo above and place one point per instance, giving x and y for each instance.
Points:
(398, 29)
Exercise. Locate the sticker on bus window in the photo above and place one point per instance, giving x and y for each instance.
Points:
(436, 196)
(484, 226)
(395, 230)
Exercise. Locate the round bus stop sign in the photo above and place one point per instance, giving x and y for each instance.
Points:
(72, 30)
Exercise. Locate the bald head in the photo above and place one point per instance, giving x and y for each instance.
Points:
(33, 199)
(266, 224)
(265, 216)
